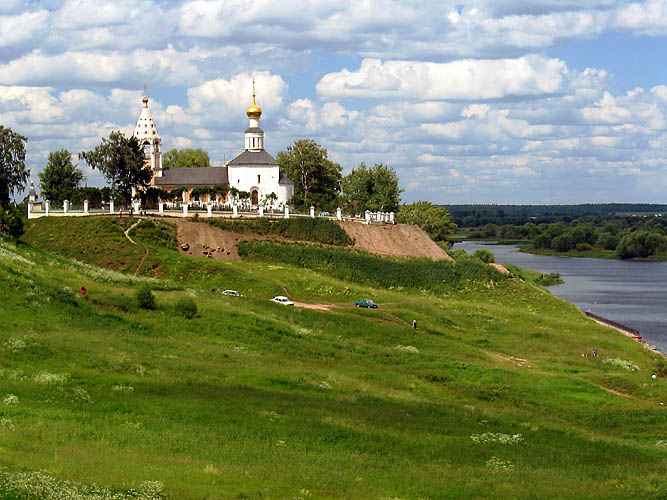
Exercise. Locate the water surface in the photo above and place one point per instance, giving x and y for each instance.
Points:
(631, 292)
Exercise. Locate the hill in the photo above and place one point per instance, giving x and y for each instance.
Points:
(489, 398)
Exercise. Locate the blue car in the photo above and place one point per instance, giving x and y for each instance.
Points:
(367, 303)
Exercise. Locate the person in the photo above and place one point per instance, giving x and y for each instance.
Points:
(595, 353)
(83, 291)
(414, 324)
(120, 214)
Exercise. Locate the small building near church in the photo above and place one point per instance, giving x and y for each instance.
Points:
(254, 171)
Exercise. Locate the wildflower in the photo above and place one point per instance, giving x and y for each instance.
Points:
(407, 348)
(11, 400)
(281, 443)
(621, 363)
(6, 422)
(662, 443)
(15, 344)
(122, 388)
(47, 378)
(210, 469)
(497, 437)
(81, 395)
(499, 465)
(324, 385)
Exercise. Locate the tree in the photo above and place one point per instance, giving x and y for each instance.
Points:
(375, 189)
(121, 160)
(60, 177)
(186, 158)
(316, 178)
(11, 222)
(484, 255)
(13, 173)
(640, 244)
(436, 221)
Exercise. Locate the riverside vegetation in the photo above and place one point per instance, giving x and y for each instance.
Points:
(489, 398)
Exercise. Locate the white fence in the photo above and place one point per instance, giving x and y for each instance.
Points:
(201, 209)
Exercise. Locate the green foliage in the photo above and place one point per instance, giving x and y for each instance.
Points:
(485, 255)
(11, 222)
(316, 178)
(433, 219)
(317, 230)
(421, 274)
(157, 232)
(60, 177)
(186, 158)
(186, 307)
(562, 242)
(13, 172)
(375, 189)
(95, 196)
(212, 191)
(121, 161)
(640, 244)
(145, 297)
(607, 241)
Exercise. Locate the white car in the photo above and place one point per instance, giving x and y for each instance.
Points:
(233, 293)
(279, 299)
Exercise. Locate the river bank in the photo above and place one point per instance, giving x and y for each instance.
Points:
(629, 292)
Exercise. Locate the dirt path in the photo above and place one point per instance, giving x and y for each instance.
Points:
(201, 240)
(143, 259)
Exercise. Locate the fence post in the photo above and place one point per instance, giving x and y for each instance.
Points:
(185, 209)
(287, 211)
(47, 204)
(209, 208)
(137, 206)
(235, 211)
(392, 217)
(261, 210)
(368, 216)
(65, 207)
(85, 207)
(339, 214)
(312, 211)
(161, 208)
(30, 210)
(111, 207)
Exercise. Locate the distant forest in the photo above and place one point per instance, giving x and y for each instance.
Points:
(480, 215)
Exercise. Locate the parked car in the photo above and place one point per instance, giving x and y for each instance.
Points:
(279, 299)
(367, 303)
(233, 293)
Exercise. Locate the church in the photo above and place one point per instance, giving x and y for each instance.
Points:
(254, 171)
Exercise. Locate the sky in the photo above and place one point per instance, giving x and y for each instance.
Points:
(491, 101)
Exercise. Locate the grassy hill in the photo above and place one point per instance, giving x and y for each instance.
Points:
(489, 398)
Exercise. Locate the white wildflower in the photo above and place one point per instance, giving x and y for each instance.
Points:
(81, 395)
(497, 437)
(407, 348)
(122, 388)
(621, 363)
(210, 469)
(6, 422)
(498, 464)
(15, 344)
(324, 385)
(282, 443)
(662, 443)
(11, 400)
(46, 378)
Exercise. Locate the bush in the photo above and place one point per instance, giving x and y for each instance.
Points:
(145, 297)
(484, 255)
(186, 307)
(607, 241)
(583, 246)
(562, 243)
(640, 244)
(11, 222)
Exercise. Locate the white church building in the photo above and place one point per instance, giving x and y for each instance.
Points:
(254, 170)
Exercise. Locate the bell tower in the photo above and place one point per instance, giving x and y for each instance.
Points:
(254, 135)
(147, 135)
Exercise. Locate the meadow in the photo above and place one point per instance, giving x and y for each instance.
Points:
(489, 398)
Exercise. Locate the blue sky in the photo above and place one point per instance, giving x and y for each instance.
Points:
(503, 101)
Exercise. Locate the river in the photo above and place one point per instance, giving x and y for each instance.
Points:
(631, 292)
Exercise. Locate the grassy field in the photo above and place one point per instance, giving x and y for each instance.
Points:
(490, 398)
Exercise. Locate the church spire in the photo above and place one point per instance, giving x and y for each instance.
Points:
(254, 136)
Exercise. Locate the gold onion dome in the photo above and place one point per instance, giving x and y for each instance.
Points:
(253, 110)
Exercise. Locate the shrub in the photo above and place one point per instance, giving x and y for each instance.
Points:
(562, 243)
(582, 246)
(607, 241)
(484, 255)
(11, 222)
(640, 244)
(145, 297)
(186, 307)
(159, 233)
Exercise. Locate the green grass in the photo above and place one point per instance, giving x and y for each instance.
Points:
(594, 253)
(250, 399)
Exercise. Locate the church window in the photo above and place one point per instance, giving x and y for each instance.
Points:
(258, 179)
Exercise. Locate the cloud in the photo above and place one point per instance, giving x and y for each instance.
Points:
(15, 30)
(467, 79)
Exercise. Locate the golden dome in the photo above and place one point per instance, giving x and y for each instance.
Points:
(253, 110)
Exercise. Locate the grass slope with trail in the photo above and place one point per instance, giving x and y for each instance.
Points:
(490, 398)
